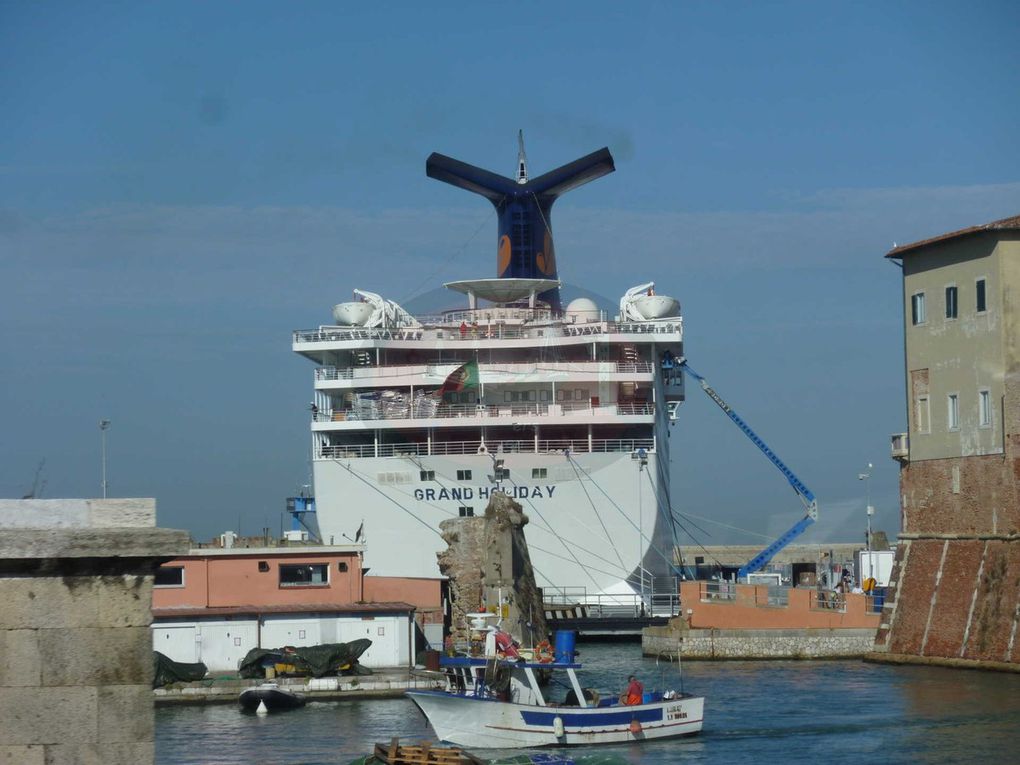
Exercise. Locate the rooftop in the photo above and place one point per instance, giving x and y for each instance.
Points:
(1005, 224)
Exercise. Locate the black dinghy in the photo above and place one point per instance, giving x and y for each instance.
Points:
(272, 695)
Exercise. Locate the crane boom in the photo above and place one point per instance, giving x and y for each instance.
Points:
(803, 492)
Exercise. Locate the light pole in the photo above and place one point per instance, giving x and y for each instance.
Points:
(866, 477)
(103, 427)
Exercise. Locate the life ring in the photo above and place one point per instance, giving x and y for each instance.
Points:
(544, 652)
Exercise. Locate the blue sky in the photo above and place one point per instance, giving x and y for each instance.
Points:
(181, 185)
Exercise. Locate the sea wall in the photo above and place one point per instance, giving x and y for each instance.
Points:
(669, 642)
(76, 668)
(955, 589)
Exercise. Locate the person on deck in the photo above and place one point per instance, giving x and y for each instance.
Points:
(635, 692)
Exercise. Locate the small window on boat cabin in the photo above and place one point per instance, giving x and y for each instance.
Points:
(539, 472)
(304, 575)
(169, 576)
(463, 475)
(428, 475)
(466, 512)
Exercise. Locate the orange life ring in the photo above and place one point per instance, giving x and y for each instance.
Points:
(544, 652)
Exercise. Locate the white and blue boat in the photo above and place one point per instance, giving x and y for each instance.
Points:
(500, 704)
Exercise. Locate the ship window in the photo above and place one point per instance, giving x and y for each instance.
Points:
(545, 395)
(502, 474)
(463, 475)
(539, 472)
(169, 576)
(580, 394)
(951, 302)
(466, 512)
(304, 575)
(428, 475)
(982, 306)
(563, 395)
(917, 308)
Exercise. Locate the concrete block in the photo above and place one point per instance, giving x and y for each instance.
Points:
(43, 513)
(125, 601)
(122, 513)
(48, 602)
(126, 714)
(89, 656)
(20, 664)
(47, 715)
(62, 543)
(22, 755)
(101, 754)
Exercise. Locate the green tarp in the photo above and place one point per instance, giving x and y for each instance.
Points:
(314, 660)
(165, 671)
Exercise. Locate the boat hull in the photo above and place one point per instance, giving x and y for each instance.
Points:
(484, 723)
(274, 698)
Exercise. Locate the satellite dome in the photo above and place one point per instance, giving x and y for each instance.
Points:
(583, 309)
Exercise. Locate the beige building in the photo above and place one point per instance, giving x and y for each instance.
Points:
(958, 563)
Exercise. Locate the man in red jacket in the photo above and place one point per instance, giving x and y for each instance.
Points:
(635, 692)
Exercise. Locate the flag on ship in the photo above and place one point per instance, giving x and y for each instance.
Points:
(461, 378)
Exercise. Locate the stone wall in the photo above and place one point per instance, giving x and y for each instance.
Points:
(75, 647)
(488, 557)
(669, 642)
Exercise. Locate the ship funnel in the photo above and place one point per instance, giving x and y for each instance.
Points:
(524, 248)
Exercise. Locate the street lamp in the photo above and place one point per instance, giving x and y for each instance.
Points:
(866, 477)
(103, 427)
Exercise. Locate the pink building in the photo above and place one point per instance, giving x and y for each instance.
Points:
(216, 604)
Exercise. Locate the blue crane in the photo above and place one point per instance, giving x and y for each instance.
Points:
(803, 492)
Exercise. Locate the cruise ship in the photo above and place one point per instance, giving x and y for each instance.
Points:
(566, 408)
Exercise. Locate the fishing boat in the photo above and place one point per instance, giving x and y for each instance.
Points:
(272, 695)
(500, 703)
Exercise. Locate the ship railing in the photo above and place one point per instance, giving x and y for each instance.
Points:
(500, 331)
(523, 446)
(577, 602)
(440, 369)
(416, 411)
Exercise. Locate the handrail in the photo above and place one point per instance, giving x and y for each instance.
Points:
(444, 332)
(524, 446)
(436, 368)
(409, 411)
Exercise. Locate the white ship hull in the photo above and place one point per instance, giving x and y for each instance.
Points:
(593, 518)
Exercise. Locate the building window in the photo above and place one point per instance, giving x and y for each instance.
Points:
(466, 512)
(428, 475)
(169, 576)
(539, 472)
(263, 566)
(984, 408)
(922, 415)
(982, 306)
(951, 302)
(342, 566)
(463, 475)
(917, 308)
(953, 411)
(304, 575)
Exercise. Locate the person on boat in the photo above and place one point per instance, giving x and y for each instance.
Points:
(635, 692)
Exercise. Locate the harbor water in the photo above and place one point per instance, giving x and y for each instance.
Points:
(755, 712)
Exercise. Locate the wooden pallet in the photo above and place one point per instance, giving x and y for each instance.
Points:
(423, 754)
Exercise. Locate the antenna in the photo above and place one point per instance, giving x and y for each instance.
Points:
(522, 160)
(37, 484)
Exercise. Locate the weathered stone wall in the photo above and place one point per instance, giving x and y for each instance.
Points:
(75, 646)
(488, 557)
(669, 642)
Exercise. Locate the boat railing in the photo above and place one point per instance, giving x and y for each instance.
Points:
(414, 411)
(329, 334)
(440, 369)
(443, 448)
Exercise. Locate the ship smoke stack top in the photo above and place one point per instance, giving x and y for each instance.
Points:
(524, 248)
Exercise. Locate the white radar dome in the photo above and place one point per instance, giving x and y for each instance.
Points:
(583, 309)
